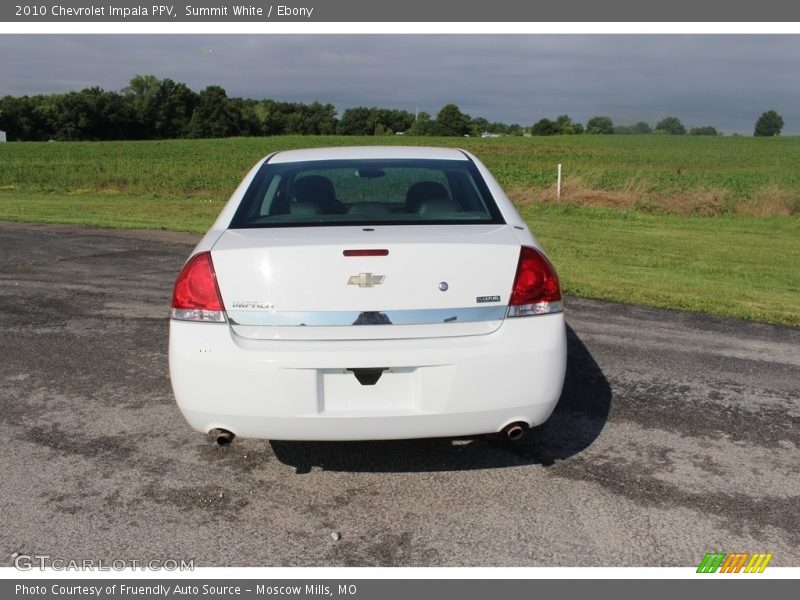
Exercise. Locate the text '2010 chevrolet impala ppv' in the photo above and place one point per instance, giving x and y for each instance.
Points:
(367, 293)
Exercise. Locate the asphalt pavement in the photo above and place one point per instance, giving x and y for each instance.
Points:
(677, 434)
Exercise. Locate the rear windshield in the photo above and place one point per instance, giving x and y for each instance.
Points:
(359, 192)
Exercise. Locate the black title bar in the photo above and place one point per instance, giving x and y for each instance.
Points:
(417, 11)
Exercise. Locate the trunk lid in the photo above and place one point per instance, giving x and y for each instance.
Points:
(297, 283)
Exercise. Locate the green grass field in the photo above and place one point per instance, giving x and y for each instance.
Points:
(706, 224)
(648, 172)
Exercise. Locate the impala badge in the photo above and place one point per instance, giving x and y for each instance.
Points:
(366, 280)
(253, 305)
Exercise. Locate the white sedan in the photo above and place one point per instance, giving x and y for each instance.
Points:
(367, 293)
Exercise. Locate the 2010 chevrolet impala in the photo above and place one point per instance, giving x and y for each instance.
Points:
(367, 293)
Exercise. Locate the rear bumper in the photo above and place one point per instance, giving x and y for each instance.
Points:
(302, 389)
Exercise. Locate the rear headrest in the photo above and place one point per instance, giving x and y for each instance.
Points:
(314, 188)
(319, 189)
(424, 190)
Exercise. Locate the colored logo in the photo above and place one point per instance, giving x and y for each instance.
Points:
(735, 562)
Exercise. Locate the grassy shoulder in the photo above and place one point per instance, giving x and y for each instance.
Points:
(114, 210)
(730, 266)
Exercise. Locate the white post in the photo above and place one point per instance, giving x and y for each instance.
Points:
(558, 193)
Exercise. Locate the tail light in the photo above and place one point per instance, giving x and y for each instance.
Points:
(536, 290)
(196, 295)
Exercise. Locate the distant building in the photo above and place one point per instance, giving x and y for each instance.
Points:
(2, 136)
(486, 134)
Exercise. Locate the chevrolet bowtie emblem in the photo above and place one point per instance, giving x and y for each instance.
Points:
(365, 280)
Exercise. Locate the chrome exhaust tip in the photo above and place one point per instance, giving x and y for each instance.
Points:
(222, 437)
(515, 431)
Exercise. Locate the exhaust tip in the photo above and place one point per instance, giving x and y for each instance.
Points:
(222, 437)
(515, 431)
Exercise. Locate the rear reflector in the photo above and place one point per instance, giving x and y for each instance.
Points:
(375, 252)
(196, 295)
(536, 290)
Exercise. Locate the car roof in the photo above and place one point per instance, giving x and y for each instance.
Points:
(361, 152)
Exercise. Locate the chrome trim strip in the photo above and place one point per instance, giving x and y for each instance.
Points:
(428, 316)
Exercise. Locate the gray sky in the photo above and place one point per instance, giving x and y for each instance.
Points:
(722, 80)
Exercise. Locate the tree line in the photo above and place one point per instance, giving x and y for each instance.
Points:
(153, 108)
(768, 124)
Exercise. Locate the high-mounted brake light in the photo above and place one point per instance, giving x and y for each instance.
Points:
(196, 295)
(536, 290)
(367, 252)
